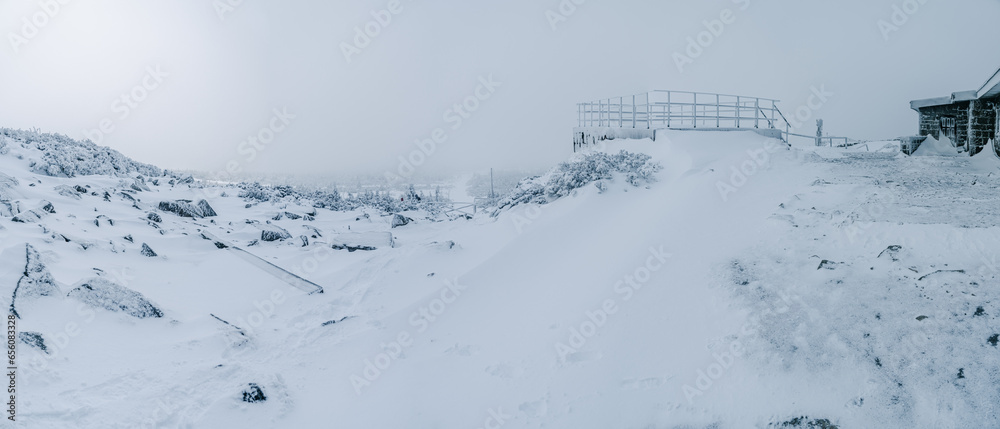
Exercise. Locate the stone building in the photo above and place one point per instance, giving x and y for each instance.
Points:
(969, 118)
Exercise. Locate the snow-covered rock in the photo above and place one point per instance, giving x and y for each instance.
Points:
(362, 241)
(36, 280)
(184, 208)
(273, 233)
(102, 293)
(399, 220)
(147, 251)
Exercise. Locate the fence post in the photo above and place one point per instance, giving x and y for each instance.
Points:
(621, 101)
(669, 108)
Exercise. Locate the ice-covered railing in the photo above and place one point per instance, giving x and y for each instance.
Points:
(682, 110)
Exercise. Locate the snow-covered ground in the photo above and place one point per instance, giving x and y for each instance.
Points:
(751, 285)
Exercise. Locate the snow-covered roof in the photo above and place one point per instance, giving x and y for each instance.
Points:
(989, 89)
(941, 101)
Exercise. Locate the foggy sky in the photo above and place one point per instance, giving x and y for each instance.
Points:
(214, 77)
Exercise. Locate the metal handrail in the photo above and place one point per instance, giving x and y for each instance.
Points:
(684, 109)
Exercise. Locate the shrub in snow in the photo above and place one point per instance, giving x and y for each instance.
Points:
(33, 339)
(62, 156)
(253, 394)
(260, 193)
(36, 281)
(7, 185)
(637, 168)
(381, 200)
(102, 293)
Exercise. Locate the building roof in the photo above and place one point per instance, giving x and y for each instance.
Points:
(989, 89)
(943, 101)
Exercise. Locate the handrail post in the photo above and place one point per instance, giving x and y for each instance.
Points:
(718, 114)
(649, 113)
(600, 113)
(669, 108)
(756, 113)
(633, 112)
(695, 121)
(738, 111)
(621, 101)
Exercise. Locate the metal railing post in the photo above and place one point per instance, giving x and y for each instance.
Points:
(649, 113)
(621, 101)
(718, 114)
(695, 114)
(600, 113)
(669, 108)
(756, 113)
(633, 111)
(738, 111)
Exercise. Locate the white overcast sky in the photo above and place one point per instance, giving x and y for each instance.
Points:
(227, 75)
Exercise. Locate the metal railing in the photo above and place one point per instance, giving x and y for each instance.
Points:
(682, 110)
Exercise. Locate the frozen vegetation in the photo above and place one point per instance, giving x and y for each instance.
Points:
(598, 168)
(62, 156)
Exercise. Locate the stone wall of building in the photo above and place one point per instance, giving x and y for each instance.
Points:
(982, 126)
(930, 120)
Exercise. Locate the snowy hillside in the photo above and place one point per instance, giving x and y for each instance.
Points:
(705, 280)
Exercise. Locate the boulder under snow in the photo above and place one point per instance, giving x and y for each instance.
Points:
(274, 233)
(36, 280)
(400, 220)
(103, 293)
(184, 208)
(147, 251)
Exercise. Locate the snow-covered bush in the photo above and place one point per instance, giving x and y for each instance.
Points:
(264, 193)
(334, 200)
(62, 156)
(637, 169)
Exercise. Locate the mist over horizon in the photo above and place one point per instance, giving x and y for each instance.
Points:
(218, 74)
